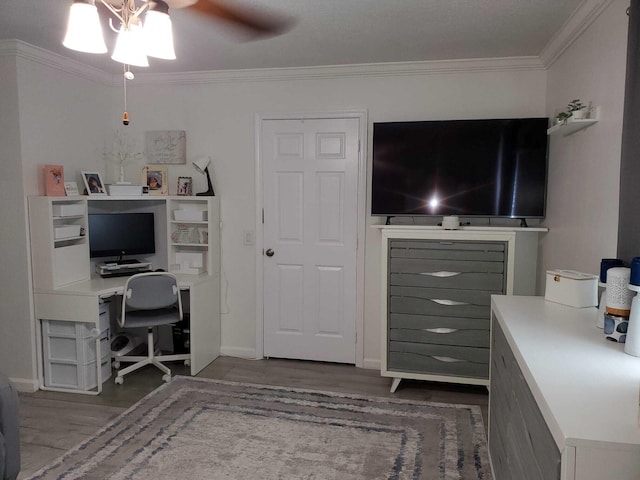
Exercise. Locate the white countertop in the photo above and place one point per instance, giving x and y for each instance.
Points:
(587, 388)
(462, 228)
(105, 287)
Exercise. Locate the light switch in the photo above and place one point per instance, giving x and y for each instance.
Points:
(248, 237)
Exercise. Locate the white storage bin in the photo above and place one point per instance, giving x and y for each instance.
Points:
(77, 377)
(124, 189)
(67, 209)
(191, 215)
(571, 288)
(66, 231)
(69, 350)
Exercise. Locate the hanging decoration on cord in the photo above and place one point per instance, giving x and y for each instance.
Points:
(128, 75)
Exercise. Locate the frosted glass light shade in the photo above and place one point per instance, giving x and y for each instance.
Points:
(130, 47)
(84, 32)
(158, 35)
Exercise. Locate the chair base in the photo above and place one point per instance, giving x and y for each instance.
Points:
(150, 359)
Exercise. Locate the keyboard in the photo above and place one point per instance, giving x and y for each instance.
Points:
(127, 272)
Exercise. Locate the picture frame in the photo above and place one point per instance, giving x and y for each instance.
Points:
(156, 179)
(54, 180)
(93, 183)
(166, 147)
(185, 186)
(71, 189)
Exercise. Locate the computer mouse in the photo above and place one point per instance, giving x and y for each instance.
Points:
(159, 270)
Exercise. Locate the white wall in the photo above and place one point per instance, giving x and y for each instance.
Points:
(16, 335)
(47, 116)
(584, 169)
(219, 118)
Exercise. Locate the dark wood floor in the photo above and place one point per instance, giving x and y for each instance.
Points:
(53, 422)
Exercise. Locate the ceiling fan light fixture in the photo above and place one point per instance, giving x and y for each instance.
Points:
(84, 32)
(129, 47)
(158, 32)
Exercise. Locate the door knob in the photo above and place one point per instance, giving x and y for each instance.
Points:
(269, 252)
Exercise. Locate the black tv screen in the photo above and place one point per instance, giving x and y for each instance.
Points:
(488, 168)
(119, 234)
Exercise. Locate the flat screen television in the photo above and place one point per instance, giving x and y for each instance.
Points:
(484, 168)
(120, 234)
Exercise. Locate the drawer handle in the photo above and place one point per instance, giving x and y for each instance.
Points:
(440, 330)
(446, 359)
(450, 303)
(442, 274)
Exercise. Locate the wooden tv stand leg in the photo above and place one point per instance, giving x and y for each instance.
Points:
(394, 384)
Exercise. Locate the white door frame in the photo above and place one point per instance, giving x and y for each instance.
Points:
(361, 212)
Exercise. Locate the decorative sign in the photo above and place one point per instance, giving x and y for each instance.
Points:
(54, 180)
(166, 147)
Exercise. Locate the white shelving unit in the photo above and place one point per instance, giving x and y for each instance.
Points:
(192, 232)
(59, 246)
(573, 125)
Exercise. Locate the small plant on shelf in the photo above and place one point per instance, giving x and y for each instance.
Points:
(575, 105)
(575, 109)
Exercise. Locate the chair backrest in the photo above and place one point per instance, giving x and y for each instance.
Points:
(150, 291)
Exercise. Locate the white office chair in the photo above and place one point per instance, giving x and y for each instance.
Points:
(149, 300)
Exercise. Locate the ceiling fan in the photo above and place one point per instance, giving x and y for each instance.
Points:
(254, 23)
(137, 39)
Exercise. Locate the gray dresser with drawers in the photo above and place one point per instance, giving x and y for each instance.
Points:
(437, 300)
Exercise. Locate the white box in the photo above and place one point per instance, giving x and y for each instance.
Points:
(192, 215)
(124, 189)
(571, 288)
(66, 231)
(67, 209)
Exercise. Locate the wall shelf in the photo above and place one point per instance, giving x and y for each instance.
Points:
(574, 125)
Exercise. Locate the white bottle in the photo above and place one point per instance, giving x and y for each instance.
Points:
(632, 343)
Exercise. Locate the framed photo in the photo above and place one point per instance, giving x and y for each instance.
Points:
(93, 183)
(71, 189)
(185, 186)
(166, 147)
(155, 178)
(54, 180)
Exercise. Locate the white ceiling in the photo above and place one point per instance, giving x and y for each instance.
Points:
(325, 32)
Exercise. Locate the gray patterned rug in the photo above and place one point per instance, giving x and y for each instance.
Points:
(206, 429)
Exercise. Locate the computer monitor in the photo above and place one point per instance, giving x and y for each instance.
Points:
(121, 234)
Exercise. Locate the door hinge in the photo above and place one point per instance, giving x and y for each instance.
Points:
(263, 215)
(359, 146)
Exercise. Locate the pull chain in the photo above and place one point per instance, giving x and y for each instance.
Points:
(126, 76)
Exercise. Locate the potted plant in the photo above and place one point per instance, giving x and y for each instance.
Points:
(575, 109)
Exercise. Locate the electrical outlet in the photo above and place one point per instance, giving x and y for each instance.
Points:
(248, 238)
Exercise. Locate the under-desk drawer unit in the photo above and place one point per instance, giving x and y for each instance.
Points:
(439, 305)
(69, 352)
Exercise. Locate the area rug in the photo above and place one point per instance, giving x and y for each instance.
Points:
(196, 428)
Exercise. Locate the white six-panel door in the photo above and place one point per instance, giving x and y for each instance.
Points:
(310, 187)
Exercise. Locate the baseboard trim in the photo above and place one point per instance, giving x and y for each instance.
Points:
(24, 385)
(371, 364)
(249, 353)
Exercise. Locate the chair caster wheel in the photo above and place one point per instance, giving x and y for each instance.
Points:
(187, 363)
(166, 378)
(119, 380)
(116, 365)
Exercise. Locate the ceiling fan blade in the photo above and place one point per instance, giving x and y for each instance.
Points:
(255, 23)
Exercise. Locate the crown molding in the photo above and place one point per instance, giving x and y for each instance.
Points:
(573, 27)
(390, 69)
(25, 51)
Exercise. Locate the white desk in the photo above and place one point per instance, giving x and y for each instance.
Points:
(80, 302)
(585, 387)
